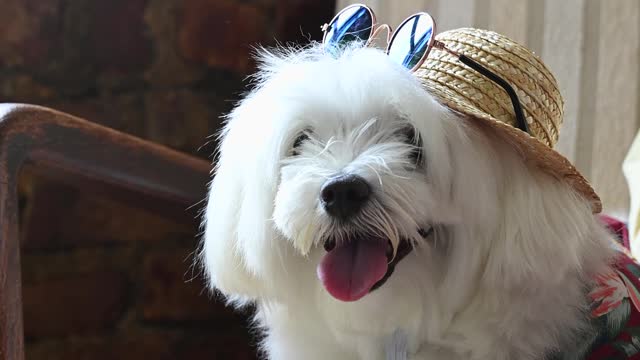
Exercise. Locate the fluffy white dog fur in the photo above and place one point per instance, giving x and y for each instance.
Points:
(503, 276)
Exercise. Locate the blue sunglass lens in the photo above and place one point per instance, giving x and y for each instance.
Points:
(352, 24)
(412, 40)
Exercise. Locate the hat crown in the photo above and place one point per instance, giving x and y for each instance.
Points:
(462, 87)
(469, 93)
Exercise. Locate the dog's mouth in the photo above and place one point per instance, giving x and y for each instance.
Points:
(352, 269)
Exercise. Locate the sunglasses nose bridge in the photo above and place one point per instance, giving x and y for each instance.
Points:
(379, 28)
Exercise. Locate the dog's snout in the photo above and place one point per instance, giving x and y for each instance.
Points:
(343, 196)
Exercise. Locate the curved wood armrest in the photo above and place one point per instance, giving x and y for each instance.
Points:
(59, 143)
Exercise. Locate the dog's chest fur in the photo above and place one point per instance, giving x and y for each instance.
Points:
(480, 326)
(603, 327)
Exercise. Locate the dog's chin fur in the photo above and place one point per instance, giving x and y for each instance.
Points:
(504, 274)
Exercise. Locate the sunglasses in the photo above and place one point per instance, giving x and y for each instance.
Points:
(409, 45)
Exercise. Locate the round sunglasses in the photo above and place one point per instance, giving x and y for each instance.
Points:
(409, 45)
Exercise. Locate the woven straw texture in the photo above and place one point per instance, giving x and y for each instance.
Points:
(466, 91)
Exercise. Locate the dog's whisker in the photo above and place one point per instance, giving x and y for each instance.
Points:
(375, 171)
(331, 142)
(387, 169)
(361, 130)
(404, 200)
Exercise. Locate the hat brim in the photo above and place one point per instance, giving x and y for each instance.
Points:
(532, 150)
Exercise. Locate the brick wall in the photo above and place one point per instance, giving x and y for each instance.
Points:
(103, 277)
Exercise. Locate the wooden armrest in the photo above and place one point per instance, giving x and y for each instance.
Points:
(65, 146)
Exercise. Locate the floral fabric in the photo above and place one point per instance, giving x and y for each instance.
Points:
(615, 307)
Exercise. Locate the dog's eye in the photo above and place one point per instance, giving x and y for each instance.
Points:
(301, 138)
(412, 138)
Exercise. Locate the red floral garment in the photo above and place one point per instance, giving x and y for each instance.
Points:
(615, 308)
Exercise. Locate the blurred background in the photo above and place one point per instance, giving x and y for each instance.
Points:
(104, 279)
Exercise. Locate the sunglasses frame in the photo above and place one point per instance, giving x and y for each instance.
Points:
(432, 41)
(374, 22)
(521, 122)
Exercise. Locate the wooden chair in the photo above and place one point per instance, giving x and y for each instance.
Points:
(86, 155)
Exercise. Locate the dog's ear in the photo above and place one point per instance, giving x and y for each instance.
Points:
(222, 254)
(238, 251)
(546, 232)
(520, 224)
(241, 251)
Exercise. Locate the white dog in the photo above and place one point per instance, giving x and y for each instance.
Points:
(354, 210)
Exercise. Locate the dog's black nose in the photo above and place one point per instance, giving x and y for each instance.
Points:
(343, 196)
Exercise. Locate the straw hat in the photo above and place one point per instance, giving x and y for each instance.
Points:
(468, 92)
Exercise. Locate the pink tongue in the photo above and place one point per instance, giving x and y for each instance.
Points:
(350, 270)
